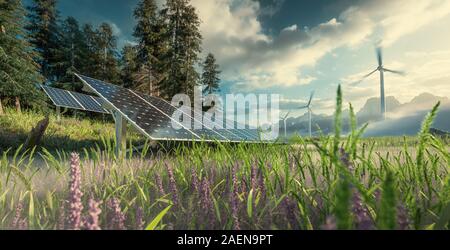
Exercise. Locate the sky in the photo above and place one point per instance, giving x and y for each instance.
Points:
(293, 47)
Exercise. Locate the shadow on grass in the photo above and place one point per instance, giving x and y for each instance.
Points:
(9, 140)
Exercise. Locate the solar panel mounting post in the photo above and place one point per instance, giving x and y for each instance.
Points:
(121, 132)
(58, 113)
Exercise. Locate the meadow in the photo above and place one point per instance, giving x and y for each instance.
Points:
(76, 181)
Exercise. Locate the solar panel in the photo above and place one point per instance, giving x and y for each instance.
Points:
(74, 100)
(139, 112)
(206, 133)
(234, 135)
(61, 98)
(154, 116)
(89, 103)
(246, 134)
(220, 129)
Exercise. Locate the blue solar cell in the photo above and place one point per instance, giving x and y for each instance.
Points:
(135, 109)
(74, 100)
(62, 98)
(154, 116)
(205, 133)
(89, 103)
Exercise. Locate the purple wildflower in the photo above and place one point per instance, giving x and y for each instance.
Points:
(62, 218)
(92, 222)
(159, 184)
(75, 194)
(235, 200)
(261, 184)
(289, 208)
(118, 217)
(361, 214)
(330, 224)
(19, 223)
(207, 205)
(173, 184)
(206, 195)
(403, 218)
(23, 224)
(195, 184)
(139, 218)
(345, 159)
(243, 185)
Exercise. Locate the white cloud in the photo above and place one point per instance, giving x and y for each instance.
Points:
(253, 59)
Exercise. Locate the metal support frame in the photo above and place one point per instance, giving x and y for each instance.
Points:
(58, 113)
(121, 132)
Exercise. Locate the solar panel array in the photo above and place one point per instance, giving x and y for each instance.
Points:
(74, 100)
(154, 116)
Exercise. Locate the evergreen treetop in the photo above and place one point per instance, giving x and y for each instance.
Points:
(210, 76)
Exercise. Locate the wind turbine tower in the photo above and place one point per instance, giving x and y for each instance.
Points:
(382, 70)
(308, 107)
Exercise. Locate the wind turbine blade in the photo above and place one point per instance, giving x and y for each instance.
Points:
(364, 77)
(395, 72)
(303, 107)
(310, 99)
(380, 56)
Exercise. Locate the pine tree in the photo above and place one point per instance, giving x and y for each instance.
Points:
(105, 55)
(90, 49)
(44, 35)
(128, 65)
(149, 32)
(184, 45)
(18, 72)
(73, 53)
(210, 76)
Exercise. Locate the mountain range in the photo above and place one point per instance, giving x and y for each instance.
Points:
(402, 118)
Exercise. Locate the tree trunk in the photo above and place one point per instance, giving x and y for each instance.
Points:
(36, 134)
(1, 108)
(18, 108)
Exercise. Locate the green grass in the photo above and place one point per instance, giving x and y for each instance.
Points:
(70, 134)
(303, 185)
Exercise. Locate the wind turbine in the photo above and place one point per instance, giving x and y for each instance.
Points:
(284, 121)
(308, 106)
(381, 69)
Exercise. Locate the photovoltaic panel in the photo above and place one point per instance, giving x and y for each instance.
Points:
(62, 98)
(245, 133)
(140, 112)
(154, 116)
(89, 103)
(74, 100)
(205, 132)
(234, 135)
(228, 133)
